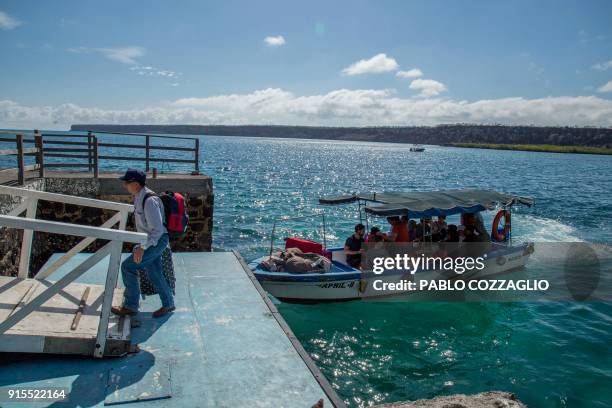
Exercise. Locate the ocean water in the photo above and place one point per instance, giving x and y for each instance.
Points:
(549, 354)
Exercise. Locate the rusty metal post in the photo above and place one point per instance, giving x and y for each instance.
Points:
(154, 172)
(95, 157)
(147, 151)
(20, 160)
(89, 153)
(40, 154)
(197, 156)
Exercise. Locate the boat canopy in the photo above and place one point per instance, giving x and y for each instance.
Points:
(422, 204)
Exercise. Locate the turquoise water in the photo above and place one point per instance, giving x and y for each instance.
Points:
(549, 354)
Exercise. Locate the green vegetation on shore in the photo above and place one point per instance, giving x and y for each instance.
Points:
(537, 148)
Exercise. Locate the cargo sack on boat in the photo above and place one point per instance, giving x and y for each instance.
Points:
(273, 263)
(146, 286)
(307, 262)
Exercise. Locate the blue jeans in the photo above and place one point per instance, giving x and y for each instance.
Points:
(152, 263)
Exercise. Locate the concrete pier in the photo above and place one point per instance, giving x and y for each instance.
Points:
(226, 345)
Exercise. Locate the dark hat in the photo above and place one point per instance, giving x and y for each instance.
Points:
(374, 230)
(134, 175)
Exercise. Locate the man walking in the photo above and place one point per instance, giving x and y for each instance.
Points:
(150, 218)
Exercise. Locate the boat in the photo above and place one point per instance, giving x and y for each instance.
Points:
(417, 148)
(343, 282)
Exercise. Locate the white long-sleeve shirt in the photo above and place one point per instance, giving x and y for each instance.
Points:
(149, 219)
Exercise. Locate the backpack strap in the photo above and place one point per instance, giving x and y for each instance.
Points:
(165, 209)
(147, 195)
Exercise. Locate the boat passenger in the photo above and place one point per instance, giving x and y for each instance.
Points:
(412, 230)
(453, 234)
(399, 230)
(438, 229)
(375, 235)
(353, 246)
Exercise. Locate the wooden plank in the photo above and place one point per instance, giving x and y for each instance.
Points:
(55, 317)
(181, 149)
(67, 149)
(172, 160)
(121, 157)
(79, 313)
(68, 156)
(47, 165)
(12, 292)
(122, 145)
(160, 159)
(26, 150)
(68, 199)
(65, 142)
(49, 292)
(26, 243)
(72, 229)
(63, 135)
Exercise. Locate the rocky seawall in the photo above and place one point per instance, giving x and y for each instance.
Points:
(198, 192)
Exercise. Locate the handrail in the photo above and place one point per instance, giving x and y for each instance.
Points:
(29, 224)
(56, 145)
(21, 152)
(55, 227)
(62, 198)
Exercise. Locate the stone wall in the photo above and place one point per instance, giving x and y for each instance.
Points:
(10, 239)
(198, 191)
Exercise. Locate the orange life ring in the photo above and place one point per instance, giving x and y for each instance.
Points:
(495, 233)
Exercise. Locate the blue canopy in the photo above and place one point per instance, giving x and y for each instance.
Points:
(422, 204)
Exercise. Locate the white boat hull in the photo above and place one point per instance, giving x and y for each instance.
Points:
(364, 285)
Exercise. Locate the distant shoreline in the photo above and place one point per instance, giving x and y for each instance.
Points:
(546, 148)
(560, 139)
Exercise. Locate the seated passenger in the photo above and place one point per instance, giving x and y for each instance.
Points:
(453, 234)
(438, 229)
(376, 235)
(412, 230)
(352, 247)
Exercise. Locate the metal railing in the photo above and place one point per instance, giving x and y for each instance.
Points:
(87, 151)
(29, 224)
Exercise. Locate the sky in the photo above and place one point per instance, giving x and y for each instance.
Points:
(331, 63)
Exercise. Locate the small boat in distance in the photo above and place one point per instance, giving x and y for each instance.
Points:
(417, 148)
(342, 282)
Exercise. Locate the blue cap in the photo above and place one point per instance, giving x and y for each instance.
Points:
(134, 175)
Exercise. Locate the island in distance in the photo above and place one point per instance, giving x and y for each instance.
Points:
(593, 139)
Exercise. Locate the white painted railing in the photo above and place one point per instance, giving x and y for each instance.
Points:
(29, 224)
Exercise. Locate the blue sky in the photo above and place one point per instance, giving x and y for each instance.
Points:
(330, 63)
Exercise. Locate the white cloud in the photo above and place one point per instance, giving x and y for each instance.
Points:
(606, 88)
(411, 73)
(149, 71)
(428, 87)
(275, 40)
(604, 66)
(343, 107)
(125, 55)
(7, 22)
(375, 65)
